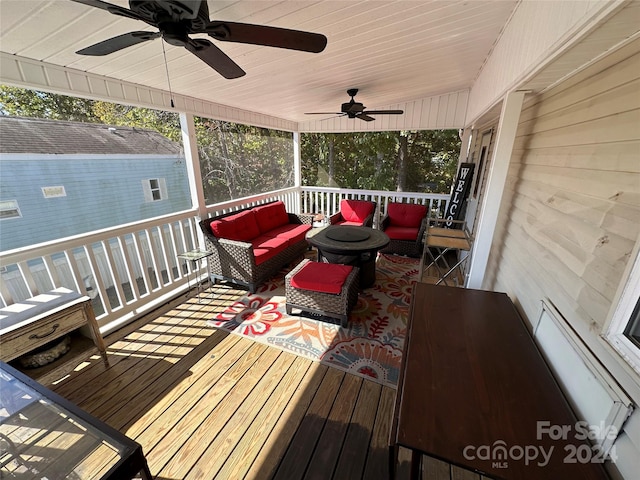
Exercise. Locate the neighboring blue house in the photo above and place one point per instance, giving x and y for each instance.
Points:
(59, 179)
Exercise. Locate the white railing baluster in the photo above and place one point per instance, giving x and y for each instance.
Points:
(25, 272)
(133, 277)
(118, 280)
(144, 265)
(154, 257)
(101, 281)
(169, 252)
(51, 270)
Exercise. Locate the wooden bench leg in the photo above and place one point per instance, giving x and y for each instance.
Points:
(393, 461)
(95, 332)
(416, 464)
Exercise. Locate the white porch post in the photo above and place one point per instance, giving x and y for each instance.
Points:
(188, 128)
(465, 144)
(507, 127)
(297, 168)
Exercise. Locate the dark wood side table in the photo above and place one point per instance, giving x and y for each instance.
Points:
(42, 435)
(475, 391)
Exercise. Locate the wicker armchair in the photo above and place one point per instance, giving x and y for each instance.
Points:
(405, 225)
(354, 212)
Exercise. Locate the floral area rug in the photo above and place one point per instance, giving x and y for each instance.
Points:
(371, 346)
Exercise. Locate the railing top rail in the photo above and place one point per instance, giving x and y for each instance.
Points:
(27, 253)
(239, 202)
(381, 193)
(80, 240)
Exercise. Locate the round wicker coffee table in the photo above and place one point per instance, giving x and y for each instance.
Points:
(350, 245)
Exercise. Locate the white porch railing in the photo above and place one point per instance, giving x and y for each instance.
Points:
(130, 269)
(326, 200)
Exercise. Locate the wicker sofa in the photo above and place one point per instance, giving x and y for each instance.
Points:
(250, 245)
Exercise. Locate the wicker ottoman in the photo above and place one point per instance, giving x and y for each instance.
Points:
(322, 288)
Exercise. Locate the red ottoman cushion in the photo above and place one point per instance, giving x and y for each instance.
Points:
(321, 277)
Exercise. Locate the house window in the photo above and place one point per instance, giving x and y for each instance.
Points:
(9, 209)
(624, 329)
(155, 189)
(52, 192)
(632, 332)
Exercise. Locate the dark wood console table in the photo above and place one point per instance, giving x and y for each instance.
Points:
(472, 381)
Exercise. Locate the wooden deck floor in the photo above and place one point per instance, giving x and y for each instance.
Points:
(205, 404)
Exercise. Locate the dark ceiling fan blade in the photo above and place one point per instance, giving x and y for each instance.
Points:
(111, 8)
(383, 112)
(118, 43)
(365, 117)
(323, 113)
(214, 57)
(268, 36)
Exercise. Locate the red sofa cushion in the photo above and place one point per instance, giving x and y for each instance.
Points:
(321, 277)
(355, 211)
(265, 247)
(402, 233)
(241, 226)
(271, 216)
(294, 233)
(406, 214)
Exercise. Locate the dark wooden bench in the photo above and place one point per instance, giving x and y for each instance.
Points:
(476, 392)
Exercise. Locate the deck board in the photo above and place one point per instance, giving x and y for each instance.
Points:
(207, 404)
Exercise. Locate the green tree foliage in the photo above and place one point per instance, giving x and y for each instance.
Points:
(166, 123)
(416, 161)
(31, 103)
(21, 102)
(236, 160)
(241, 160)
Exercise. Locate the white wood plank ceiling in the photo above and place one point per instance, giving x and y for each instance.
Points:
(444, 62)
(393, 51)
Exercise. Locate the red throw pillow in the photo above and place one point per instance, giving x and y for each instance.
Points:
(270, 216)
(406, 214)
(241, 226)
(356, 210)
(322, 277)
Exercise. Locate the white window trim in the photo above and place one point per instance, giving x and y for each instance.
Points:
(54, 191)
(17, 209)
(622, 316)
(148, 192)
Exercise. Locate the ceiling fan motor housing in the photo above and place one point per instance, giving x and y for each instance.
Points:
(185, 9)
(193, 13)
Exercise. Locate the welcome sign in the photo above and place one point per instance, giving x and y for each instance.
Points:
(461, 188)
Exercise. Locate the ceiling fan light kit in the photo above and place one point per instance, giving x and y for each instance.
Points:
(353, 109)
(176, 20)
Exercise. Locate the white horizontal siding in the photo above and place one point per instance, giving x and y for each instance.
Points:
(535, 34)
(572, 205)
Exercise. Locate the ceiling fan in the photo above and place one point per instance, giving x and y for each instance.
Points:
(353, 109)
(176, 20)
